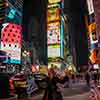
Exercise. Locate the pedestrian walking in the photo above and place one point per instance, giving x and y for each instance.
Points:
(95, 77)
(66, 80)
(52, 92)
(87, 78)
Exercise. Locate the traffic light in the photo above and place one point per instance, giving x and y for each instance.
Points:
(2, 10)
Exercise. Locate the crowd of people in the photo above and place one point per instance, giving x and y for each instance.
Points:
(53, 92)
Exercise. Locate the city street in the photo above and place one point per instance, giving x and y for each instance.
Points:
(83, 96)
(50, 49)
(74, 97)
(78, 91)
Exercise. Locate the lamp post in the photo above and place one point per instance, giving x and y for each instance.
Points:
(25, 54)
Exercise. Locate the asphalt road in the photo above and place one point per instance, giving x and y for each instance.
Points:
(76, 91)
(84, 96)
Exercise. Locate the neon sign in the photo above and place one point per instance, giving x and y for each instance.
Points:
(53, 14)
(54, 1)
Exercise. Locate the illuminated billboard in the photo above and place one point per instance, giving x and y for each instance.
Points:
(54, 1)
(53, 33)
(11, 13)
(92, 27)
(93, 38)
(90, 6)
(53, 51)
(93, 57)
(53, 14)
(11, 40)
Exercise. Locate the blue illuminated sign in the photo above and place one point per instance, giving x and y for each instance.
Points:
(62, 39)
(12, 13)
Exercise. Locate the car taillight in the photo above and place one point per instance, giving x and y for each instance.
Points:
(11, 84)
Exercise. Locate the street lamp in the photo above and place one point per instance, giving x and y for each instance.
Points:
(25, 54)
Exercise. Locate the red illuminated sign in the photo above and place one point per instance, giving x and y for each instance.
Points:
(11, 34)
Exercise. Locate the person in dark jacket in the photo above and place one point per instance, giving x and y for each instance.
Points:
(52, 91)
(87, 78)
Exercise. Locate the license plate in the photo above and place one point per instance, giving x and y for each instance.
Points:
(20, 84)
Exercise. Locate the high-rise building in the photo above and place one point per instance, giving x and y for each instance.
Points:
(34, 27)
(3, 6)
(77, 30)
(96, 4)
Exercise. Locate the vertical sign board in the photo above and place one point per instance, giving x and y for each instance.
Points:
(62, 39)
(53, 31)
(92, 34)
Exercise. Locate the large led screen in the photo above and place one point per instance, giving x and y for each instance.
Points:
(92, 27)
(53, 51)
(54, 1)
(11, 38)
(93, 57)
(53, 33)
(93, 38)
(53, 14)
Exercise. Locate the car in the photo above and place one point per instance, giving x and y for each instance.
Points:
(22, 83)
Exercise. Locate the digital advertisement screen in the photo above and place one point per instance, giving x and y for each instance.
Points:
(53, 14)
(53, 33)
(11, 41)
(93, 56)
(53, 51)
(54, 1)
(93, 38)
(92, 27)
